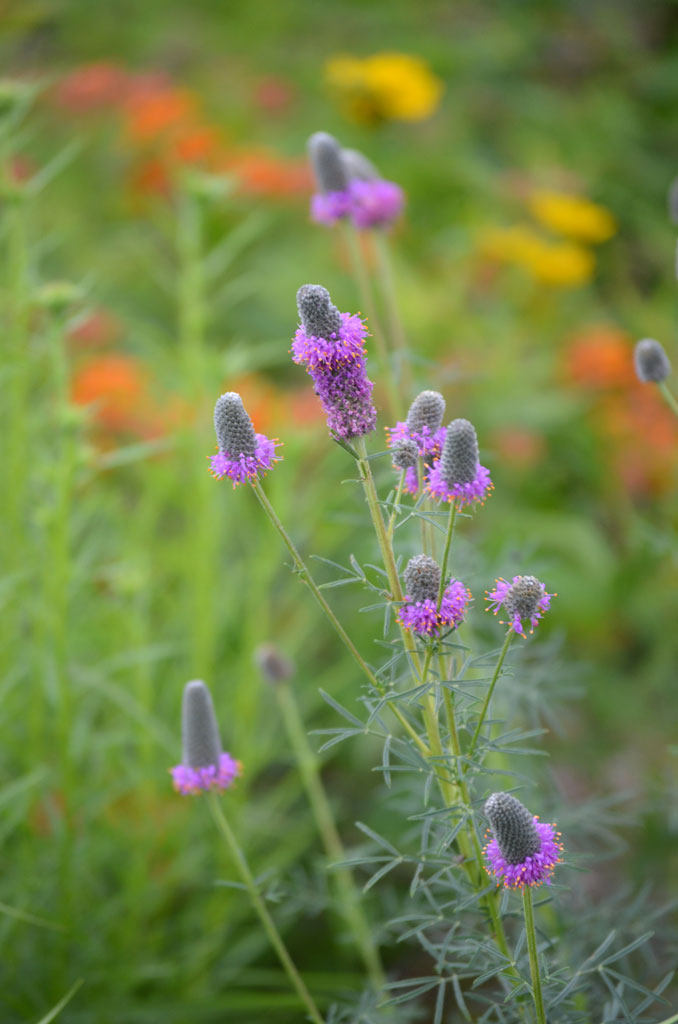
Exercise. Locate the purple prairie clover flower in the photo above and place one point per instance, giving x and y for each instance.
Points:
(525, 597)
(242, 454)
(457, 475)
(420, 611)
(651, 361)
(204, 765)
(423, 428)
(375, 204)
(333, 200)
(521, 850)
(331, 345)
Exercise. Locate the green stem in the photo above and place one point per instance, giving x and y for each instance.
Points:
(669, 396)
(389, 291)
(446, 551)
(396, 504)
(534, 959)
(488, 696)
(362, 278)
(238, 856)
(305, 575)
(348, 894)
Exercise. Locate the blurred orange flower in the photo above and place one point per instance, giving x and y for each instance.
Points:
(92, 87)
(601, 357)
(154, 114)
(98, 329)
(117, 388)
(262, 173)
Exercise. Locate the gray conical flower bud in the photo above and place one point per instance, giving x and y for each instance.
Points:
(523, 597)
(459, 457)
(235, 433)
(513, 827)
(327, 164)
(199, 729)
(422, 579)
(358, 166)
(405, 454)
(427, 410)
(274, 666)
(319, 316)
(651, 361)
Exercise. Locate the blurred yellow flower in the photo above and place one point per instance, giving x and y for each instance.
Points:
(385, 86)
(574, 216)
(562, 264)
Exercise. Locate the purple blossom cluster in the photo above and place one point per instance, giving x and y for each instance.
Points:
(426, 618)
(245, 468)
(349, 186)
(191, 781)
(525, 597)
(429, 445)
(242, 454)
(471, 493)
(535, 868)
(331, 345)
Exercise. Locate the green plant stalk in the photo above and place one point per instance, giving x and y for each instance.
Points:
(274, 936)
(669, 397)
(447, 788)
(192, 319)
(388, 289)
(396, 504)
(446, 551)
(490, 691)
(532, 951)
(349, 896)
(362, 278)
(306, 577)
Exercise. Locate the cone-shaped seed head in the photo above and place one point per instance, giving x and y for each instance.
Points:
(459, 457)
(358, 166)
(328, 167)
(651, 361)
(405, 454)
(524, 596)
(427, 410)
(199, 729)
(513, 827)
(235, 433)
(319, 316)
(422, 579)
(272, 663)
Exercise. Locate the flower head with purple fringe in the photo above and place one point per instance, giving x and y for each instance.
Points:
(331, 345)
(525, 597)
(520, 850)
(242, 454)
(457, 475)
(376, 203)
(426, 618)
(423, 427)
(191, 781)
(204, 765)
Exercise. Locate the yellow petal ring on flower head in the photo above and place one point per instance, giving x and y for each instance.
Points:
(385, 86)
(574, 216)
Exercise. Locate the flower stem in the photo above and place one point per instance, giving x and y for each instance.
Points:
(396, 504)
(305, 575)
(349, 896)
(668, 396)
(388, 287)
(362, 278)
(534, 959)
(488, 696)
(238, 856)
(446, 551)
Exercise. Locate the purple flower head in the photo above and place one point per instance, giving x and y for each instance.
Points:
(375, 203)
(651, 361)
(405, 454)
(358, 167)
(204, 765)
(332, 201)
(525, 597)
(331, 345)
(242, 453)
(457, 474)
(420, 612)
(423, 428)
(521, 851)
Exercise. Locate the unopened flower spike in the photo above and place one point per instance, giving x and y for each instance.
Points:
(375, 202)
(420, 611)
(274, 666)
(242, 453)
(525, 597)
(521, 850)
(651, 361)
(423, 426)
(331, 345)
(204, 764)
(332, 200)
(457, 475)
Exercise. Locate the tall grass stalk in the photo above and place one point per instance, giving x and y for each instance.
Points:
(386, 279)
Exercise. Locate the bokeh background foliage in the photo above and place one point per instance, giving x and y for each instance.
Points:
(126, 570)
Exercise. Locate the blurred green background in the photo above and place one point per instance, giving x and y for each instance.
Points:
(127, 571)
